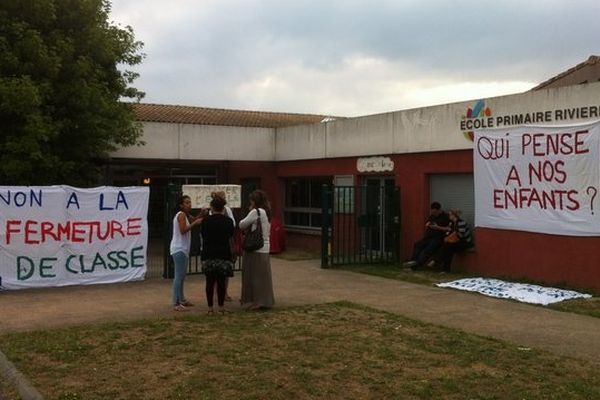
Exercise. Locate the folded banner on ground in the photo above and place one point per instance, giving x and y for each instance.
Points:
(523, 292)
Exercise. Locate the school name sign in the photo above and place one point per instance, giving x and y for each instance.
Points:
(61, 235)
(538, 179)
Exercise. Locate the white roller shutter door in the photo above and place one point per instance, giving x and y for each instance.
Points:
(454, 191)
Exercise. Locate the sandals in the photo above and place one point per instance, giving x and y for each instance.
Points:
(180, 307)
(210, 312)
(224, 311)
(187, 304)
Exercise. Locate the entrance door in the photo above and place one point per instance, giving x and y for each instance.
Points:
(361, 224)
(381, 215)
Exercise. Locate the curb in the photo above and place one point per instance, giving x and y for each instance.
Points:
(9, 372)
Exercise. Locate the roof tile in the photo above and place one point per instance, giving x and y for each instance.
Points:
(215, 116)
(592, 60)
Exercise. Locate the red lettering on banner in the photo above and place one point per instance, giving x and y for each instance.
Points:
(133, 226)
(64, 230)
(541, 144)
(30, 231)
(116, 226)
(547, 171)
(47, 230)
(77, 233)
(10, 230)
(513, 174)
(556, 199)
(34, 232)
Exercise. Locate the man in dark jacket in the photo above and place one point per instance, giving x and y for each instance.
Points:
(436, 227)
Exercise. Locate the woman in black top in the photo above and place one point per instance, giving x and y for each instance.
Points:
(217, 230)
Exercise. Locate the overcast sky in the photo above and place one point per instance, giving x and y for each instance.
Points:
(352, 57)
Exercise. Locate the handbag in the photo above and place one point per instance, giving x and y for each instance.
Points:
(452, 238)
(253, 239)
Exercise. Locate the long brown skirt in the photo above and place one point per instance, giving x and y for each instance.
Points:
(257, 284)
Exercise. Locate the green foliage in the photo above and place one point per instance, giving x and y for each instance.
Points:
(62, 92)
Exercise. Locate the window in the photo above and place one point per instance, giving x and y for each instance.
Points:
(343, 194)
(304, 201)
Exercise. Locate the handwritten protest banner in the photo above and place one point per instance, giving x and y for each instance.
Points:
(61, 235)
(538, 179)
(200, 194)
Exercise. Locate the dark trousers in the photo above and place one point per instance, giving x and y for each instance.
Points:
(425, 248)
(449, 250)
(219, 279)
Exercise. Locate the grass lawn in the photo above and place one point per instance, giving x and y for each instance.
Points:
(330, 351)
(7, 391)
(590, 307)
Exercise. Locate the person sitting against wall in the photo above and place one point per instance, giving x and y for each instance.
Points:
(436, 227)
(457, 239)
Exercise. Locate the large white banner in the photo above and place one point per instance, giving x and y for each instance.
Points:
(538, 179)
(61, 235)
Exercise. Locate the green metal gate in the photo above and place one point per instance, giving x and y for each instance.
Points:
(172, 194)
(361, 224)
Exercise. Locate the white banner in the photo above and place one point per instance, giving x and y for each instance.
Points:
(200, 194)
(538, 179)
(61, 235)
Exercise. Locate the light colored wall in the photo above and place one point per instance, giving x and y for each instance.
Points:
(202, 142)
(435, 128)
(162, 142)
(427, 129)
(297, 141)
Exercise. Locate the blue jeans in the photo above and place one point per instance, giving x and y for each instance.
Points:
(425, 248)
(181, 261)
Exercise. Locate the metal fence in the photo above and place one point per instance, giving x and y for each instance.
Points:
(361, 224)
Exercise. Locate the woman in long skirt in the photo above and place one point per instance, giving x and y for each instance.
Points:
(257, 283)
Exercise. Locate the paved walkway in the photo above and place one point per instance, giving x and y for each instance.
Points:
(303, 282)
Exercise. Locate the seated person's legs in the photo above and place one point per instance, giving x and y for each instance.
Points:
(417, 249)
(433, 245)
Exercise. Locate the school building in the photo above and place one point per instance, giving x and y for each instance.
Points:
(412, 157)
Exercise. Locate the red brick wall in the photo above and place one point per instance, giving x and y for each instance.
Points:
(574, 261)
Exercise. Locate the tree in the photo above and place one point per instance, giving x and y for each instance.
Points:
(63, 99)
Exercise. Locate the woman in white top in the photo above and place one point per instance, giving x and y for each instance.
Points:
(180, 249)
(257, 284)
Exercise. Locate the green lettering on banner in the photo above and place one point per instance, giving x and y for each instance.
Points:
(68, 264)
(28, 272)
(26, 267)
(83, 269)
(98, 261)
(122, 255)
(135, 257)
(113, 263)
(44, 267)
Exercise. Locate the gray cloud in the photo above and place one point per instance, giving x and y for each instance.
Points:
(304, 55)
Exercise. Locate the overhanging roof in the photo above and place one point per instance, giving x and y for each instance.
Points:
(216, 116)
